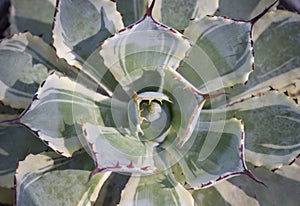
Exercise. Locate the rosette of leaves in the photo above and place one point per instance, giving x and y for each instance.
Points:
(151, 107)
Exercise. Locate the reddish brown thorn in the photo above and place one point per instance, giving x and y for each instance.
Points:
(122, 30)
(117, 165)
(130, 165)
(145, 168)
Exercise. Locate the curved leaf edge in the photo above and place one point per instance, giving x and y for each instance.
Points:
(251, 41)
(37, 133)
(291, 98)
(125, 169)
(148, 14)
(228, 175)
(79, 69)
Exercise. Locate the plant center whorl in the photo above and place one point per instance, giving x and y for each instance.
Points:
(149, 116)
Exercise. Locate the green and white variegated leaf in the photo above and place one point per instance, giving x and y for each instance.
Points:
(25, 62)
(131, 10)
(68, 104)
(271, 124)
(277, 182)
(143, 47)
(224, 194)
(242, 191)
(277, 31)
(214, 153)
(151, 190)
(177, 13)
(15, 143)
(114, 151)
(28, 16)
(243, 9)
(80, 26)
(42, 180)
(187, 103)
(221, 55)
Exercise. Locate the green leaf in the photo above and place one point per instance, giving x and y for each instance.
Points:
(271, 126)
(40, 181)
(141, 48)
(215, 152)
(274, 32)
(25, 62)
(110, 193)
(7, 196)
(276, 182)
(15, 143)
(81, 25)
(221, 55)
(177, 13)
(157, 189)
(234, 195)
(6, 112)
(114, 151)
(131, 10)
(226, 193)
(242, 9)
(209, 197)
(69, 104)
(28, 16)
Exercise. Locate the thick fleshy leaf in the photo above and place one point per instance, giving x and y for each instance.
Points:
(271, 125)
(114, 151)
(132, 10)
(25, 61)
(177, 13)
(69, 104)
(209, 197)
(81, 25)
(15, 143)
(273, 33)
(222, 54)
(28, 16)
(187, 103)
(276, 182)
(43, 180)
(240, 191)
(158, 189)
(143, 47)
(224, 194)
(242, 9)
(215, 152)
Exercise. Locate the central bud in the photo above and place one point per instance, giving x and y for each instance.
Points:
(149, 116)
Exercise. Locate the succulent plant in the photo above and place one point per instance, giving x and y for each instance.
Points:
(162, 105)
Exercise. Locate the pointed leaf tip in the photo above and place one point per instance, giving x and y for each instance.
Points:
(256, 18)
(252, 176)
(150, 9)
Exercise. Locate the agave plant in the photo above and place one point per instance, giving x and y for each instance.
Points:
(162, 105)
